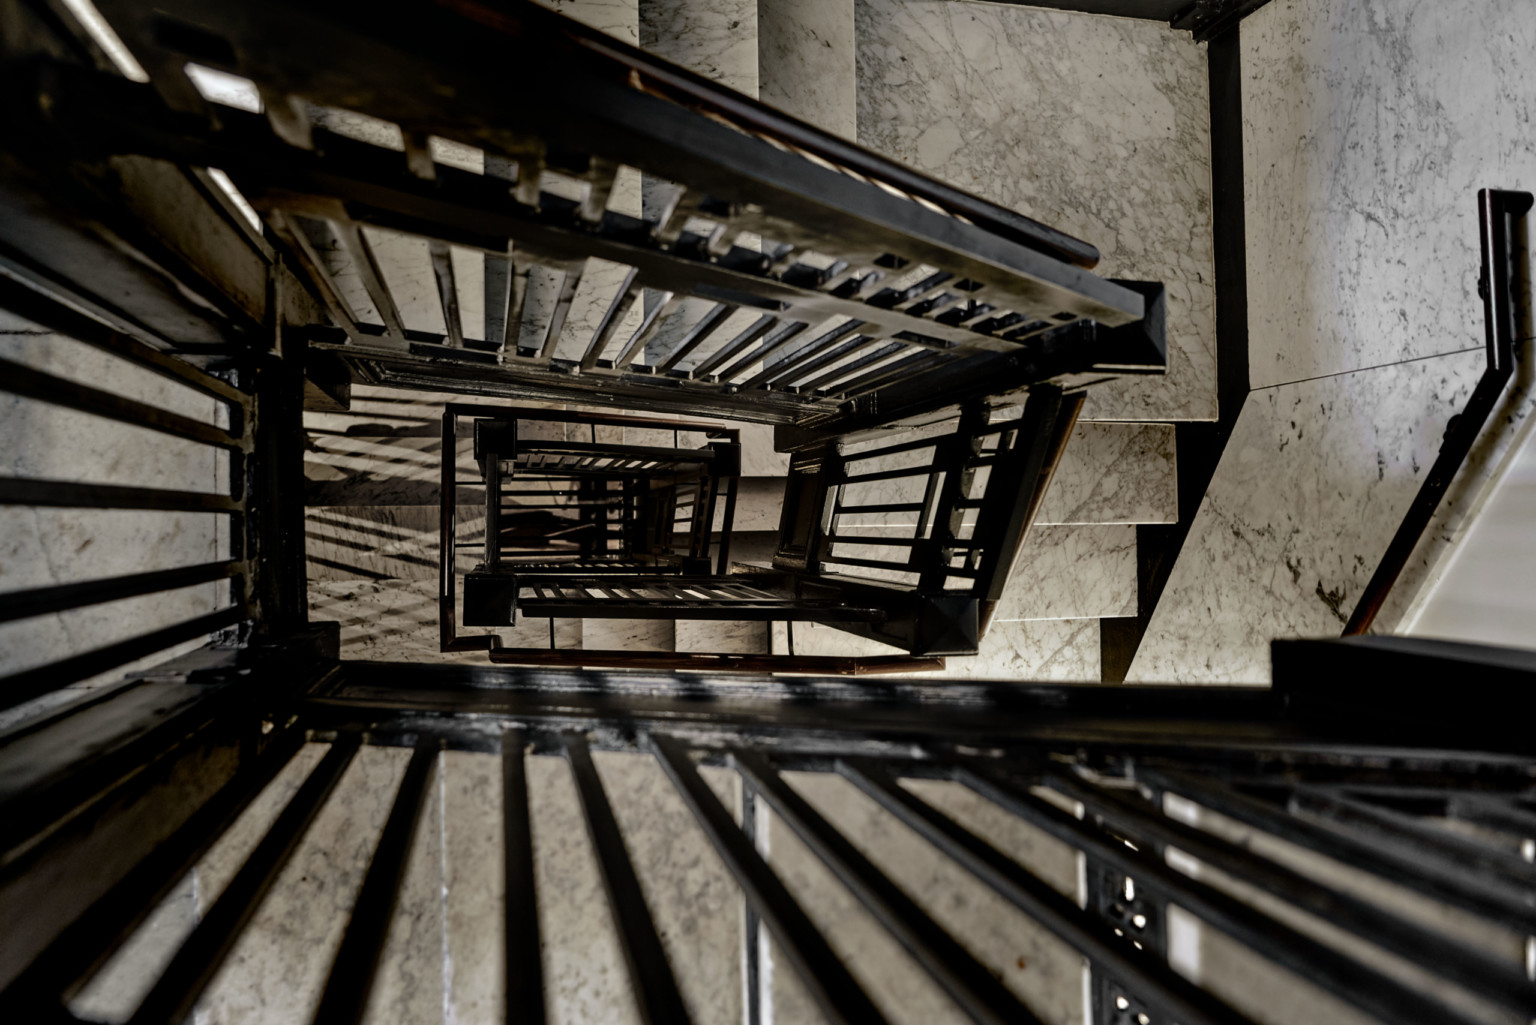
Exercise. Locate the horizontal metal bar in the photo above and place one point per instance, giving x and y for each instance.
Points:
(887, 507)
(41, 600)
(34, 384)
(888, 542)
(524, 971)
(1151, 978)
(829, 982)
(970, 983)
(48, 312)
(203, 953)
(660, 1002)
(1326, 967)
(71, 495)
(357, 960)
(29, 683)
(1499, 980)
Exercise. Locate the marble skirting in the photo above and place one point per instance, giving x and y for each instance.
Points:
(1115, 473)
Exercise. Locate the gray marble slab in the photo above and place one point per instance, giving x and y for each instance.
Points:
(1076, 572)
(693, 898)
(1115, 473)
(807, 63)
(627, 635)
(1369, 129)
(1310, 489)
(1097, 126)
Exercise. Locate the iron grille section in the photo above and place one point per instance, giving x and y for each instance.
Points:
(1159, 807)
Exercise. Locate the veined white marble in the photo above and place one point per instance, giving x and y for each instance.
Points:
(1040, 969)
(1114, 473)
(1311, 488)
(1065, 650)
(807, 62)
(1369, 129)
(1097, 126)
(1074, 572)
(713, 38)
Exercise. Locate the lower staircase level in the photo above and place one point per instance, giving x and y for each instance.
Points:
(372, 542)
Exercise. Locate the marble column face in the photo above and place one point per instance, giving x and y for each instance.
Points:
(806, 62)
(1309, 491)
(1369, 129)
(1097, 126)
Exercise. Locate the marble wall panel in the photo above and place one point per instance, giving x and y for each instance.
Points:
(627, 635)
(713, 38)
(807, 63)
(1309, 491)
(45, 546)
(1080, 572)
(1115, 473)
(1369, 129)
(1097, 126)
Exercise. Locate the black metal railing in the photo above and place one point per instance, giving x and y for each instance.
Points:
(856, 285)
(1143, 786)
(224, 435)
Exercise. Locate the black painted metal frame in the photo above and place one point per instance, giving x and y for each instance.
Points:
(1393, 791)
(875, 290)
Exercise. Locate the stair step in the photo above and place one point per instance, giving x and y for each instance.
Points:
(1115, 473)
(1072, 572)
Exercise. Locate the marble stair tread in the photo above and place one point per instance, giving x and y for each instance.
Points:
(1115, 473)
(1082, 571)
